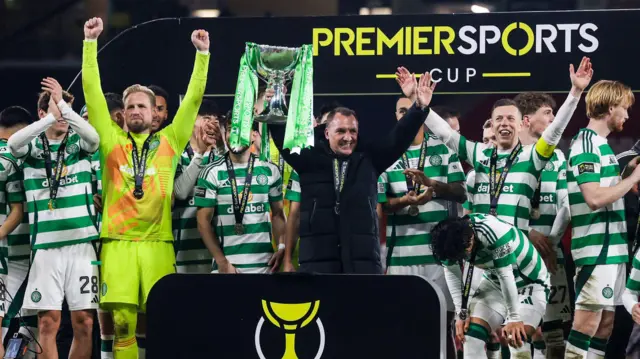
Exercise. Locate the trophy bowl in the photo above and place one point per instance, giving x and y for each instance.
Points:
(275, 66)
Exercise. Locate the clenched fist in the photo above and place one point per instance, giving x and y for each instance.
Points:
(200, 40)
(93, 28)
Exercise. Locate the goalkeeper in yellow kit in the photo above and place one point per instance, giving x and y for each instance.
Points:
(137, 179)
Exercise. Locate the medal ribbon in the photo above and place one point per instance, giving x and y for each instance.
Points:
(54, 181)
(466, 289)
(139, 164)
(239, 205)
(496, 185)
(339, 177)
(421, 160)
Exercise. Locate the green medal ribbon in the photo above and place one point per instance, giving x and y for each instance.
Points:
(246, 89)
(299, 130)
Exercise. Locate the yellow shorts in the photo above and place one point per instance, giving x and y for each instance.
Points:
(130, 269)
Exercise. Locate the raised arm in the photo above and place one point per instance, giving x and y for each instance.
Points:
(179, 131)
(19, 142)
(89, 139)
(553, 133)
(384, 152)
(99, 116)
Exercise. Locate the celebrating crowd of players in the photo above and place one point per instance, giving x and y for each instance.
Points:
(171, 198)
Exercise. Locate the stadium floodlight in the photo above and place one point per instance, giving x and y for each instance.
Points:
(206, 13)
(479, 9)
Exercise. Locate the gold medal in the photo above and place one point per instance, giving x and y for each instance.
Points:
(239, 229)
(535, 213)
(51, 205)
(414, 211)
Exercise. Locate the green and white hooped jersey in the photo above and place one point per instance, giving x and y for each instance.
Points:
(96, 182)
(591, 160)
(553, 196)
(19, 241)
(10, 192)
(190, 249)
(411, 235)
(293, 187)
(514, 203)
(633, 283)
(470, 187)
(253, 248)
(502, 244)
(72, 219)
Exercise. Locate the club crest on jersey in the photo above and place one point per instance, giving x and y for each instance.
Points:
(549, 166)
(262, 179)
(36, 296)
(435, 160)
(154, 144)
(72, 149)
(607, 292)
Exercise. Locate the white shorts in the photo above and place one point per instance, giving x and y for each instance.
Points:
(63, 273)
(558, 308)
(194, 269)
(16, 287)
(489, 304)
(603, 288)
(434, 273)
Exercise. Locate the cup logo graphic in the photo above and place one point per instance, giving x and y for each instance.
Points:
(290, 317)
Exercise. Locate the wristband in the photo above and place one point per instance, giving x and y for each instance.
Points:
(281, 246)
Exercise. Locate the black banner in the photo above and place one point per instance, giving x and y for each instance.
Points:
(295, 316)
(466, 53)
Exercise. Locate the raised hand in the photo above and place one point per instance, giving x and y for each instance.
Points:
(52, 86)
(407, 82)
(93, 28)
(200, 40)
(53, 109)
(426, 87)
(580, 79)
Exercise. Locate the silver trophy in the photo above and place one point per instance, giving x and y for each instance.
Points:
(275, 66)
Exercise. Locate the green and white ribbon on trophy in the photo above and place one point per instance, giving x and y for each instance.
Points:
(274, 65)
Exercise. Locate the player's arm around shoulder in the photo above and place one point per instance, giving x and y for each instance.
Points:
(180, 130)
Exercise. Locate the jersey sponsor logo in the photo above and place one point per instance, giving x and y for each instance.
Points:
(224, 183)
(381, 187)
(251, 208)
(95, 299)
(612, 160)
(548, 198)
(484, 188)
(289, 317)
(435, 160)
(64, 181)
(549, 166)
(262, 179)
(586, 168)
(199, 192)
(290, 184)
(129, 170)
(502, 251)
(72, 149)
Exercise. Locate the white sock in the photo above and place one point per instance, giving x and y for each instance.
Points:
(106, 346)
(539, 350)
(142, 345)
(524, 352)
(595, 354)
(494, 351)
(473, 348)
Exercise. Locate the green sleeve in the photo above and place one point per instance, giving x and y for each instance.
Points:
(293, 188)
(275, 189)
(99, 116)
(180, 130)
(15, 191)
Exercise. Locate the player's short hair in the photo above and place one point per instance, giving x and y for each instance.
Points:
(159, 91)
(14, 116)
(487, 124)
(530, 102)
(606, 93)
(451, 238)
(328, 107)
(446, 112)
(503, 102)
(139, 88)
(255, 126)
(209, 108)
(344, 111)
(45, 96)
(114, 101)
